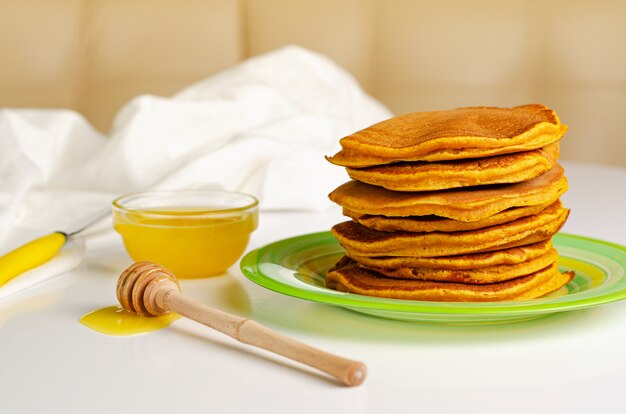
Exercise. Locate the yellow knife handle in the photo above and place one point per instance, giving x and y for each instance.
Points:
(30, 255)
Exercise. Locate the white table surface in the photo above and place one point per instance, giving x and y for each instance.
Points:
(573, 362)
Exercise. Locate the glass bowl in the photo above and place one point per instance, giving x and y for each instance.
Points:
(192, 233)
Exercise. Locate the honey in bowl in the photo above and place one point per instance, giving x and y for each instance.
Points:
(193, 233)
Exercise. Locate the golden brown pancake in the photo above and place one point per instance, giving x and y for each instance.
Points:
(347, 276)
(467, 204)
(433, 223)
(510, 256)
(555, 283)
(451, 135)
(428, 176)
(491, 274)
(362, 241)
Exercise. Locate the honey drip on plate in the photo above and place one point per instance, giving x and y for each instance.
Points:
(116, 321)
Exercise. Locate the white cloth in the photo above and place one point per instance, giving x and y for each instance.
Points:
(261, 127)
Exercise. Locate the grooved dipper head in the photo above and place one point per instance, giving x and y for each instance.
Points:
(138, 287)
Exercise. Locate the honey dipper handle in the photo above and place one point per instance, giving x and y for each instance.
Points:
(250, 332)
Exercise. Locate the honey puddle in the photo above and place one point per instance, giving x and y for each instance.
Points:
(116, 321)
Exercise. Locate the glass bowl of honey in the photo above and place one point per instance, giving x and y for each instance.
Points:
(193, 233)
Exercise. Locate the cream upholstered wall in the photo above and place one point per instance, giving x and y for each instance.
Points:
(93, 55)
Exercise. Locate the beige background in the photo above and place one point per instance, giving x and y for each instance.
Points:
(93, 55)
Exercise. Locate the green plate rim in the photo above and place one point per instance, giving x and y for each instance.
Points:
(249, 267)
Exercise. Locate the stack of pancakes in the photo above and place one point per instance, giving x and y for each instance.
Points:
(456, 205)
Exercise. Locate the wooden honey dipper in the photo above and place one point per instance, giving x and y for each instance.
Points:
(151, 290)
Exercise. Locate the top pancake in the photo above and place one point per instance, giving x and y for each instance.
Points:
(451, 135)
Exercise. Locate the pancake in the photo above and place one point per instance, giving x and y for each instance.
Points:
(434, 223)
(467, 204)
(552, 285)
(491, 274)
(428, 176)
(451, 135)
(510, 256)
(362, 241)
(347, 276)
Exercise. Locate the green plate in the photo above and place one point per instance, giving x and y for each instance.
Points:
(296, 267)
